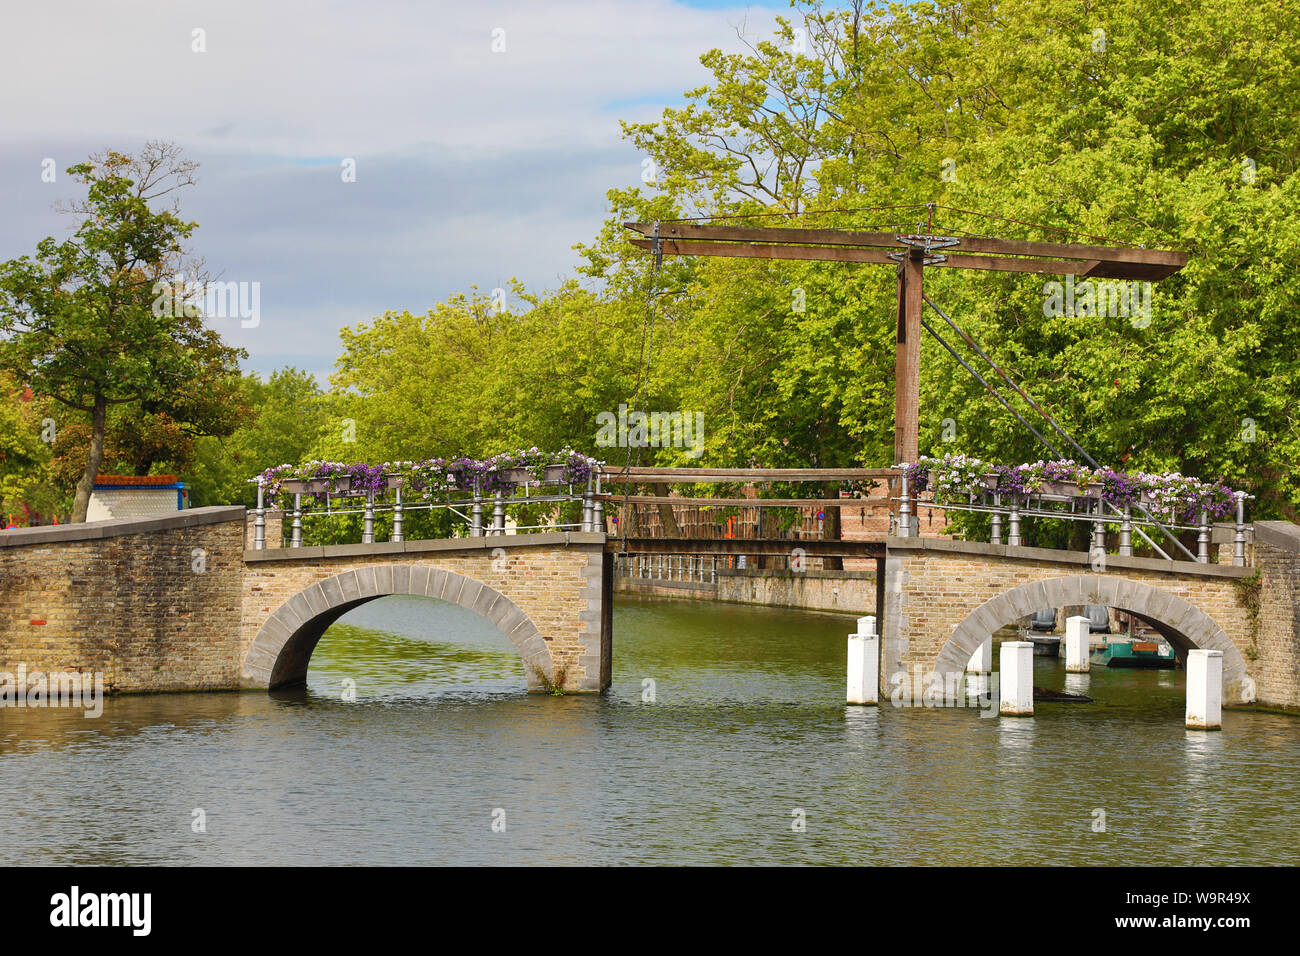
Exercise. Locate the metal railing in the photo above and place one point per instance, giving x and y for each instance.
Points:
(1077, 508)
(469, 506)
(687, 568)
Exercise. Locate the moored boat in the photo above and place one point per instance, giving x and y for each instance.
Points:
(1126, 653)
(1045, 645)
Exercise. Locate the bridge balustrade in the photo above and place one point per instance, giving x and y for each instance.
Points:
(1092, 509)
(469, 505)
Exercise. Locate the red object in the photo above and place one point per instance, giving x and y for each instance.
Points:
(146, 481)
(35, 622)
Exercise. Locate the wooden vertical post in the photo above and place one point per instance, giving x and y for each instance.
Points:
(907, 360)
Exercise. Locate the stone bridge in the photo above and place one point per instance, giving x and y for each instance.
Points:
(944, 598)
(180, 602)
(546, 592)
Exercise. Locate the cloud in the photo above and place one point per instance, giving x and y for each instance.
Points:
(472, 166)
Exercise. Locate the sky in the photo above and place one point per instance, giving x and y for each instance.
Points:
(472, 165)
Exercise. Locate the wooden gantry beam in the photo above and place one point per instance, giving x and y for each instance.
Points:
(965, 252)
(910, 255)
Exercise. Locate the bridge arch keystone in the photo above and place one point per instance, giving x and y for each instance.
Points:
(280, 652)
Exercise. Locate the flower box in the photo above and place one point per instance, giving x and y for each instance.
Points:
(551, 474)
(315, 486)
(1069, 489)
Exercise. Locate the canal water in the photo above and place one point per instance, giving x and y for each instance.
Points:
(725, 739)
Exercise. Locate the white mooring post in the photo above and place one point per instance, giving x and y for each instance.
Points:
(1205, 690)
(981, 662)
(864, 663)
(1078, 637)
(1017, 679)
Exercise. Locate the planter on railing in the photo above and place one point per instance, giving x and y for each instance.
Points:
(551, 474)
(1070, 489)
(315, 486)
(1050, 489)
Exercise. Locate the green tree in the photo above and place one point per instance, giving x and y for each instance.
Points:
(80, 319)
(25, 440)
(1164, 125)
(287, 416)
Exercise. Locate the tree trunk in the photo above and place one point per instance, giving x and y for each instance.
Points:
(668, 521)
(94, 459)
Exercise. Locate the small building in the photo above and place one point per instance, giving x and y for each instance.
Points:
(134, 496)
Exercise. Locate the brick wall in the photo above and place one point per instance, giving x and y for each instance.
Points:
(152, 603)
(1277, 637)
(274, 530)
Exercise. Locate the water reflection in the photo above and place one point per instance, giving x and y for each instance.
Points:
(747, 722)
(1078, 683)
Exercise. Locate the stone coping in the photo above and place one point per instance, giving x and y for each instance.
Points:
(116, 527)
(1081, 559)
(1278, 534)
(584, 540)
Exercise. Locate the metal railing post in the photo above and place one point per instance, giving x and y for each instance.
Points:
(904, 529)
(1013, 523)
(295, 537)
(598, 511)
(995, 529)
(368, 520)
(1099, 529)
(259, 520)
(397, 516)
(476, 511)
(1203, 539)
(1126, 533)
(586, 507)
(1239, 534)
(499, 513)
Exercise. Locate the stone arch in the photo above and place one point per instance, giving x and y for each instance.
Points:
(279, 655)
(1181, 623)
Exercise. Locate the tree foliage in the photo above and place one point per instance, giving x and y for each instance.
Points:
(78, 321)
